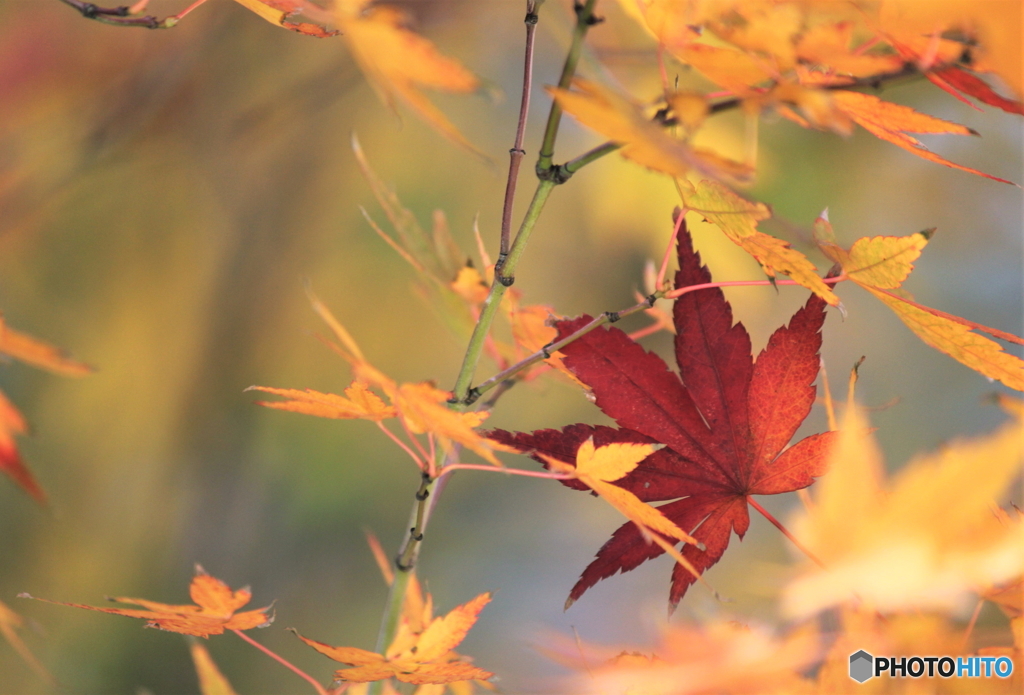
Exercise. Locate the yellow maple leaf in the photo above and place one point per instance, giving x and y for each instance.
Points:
(399, 62)
(427, 659)
(881, 264)
(643, 141)
(927, 539)
(738, 218)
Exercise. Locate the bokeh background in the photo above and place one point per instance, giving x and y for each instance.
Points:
(163, 196)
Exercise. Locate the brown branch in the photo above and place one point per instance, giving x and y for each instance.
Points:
(517, 152)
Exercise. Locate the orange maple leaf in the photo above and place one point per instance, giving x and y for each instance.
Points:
(279, 11)
(894, 123)
(399, 62)
(422, 407)
(425, 658)
(213, 613)
(361, 402)
(37, 353)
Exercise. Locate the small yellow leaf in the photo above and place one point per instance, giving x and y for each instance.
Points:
(884, 262)
(613, 461)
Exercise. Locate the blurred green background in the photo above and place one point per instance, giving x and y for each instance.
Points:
(163, 195)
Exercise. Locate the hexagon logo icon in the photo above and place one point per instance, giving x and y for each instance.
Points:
(861, 664)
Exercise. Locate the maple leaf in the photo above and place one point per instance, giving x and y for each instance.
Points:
(925, 540)
(724, 424)
(214, 612)
(881, 264)
(422, 407)
(426, 658)
(598, 467)
(643, 141)
(398, 62)
(361, 402)
(894, 123)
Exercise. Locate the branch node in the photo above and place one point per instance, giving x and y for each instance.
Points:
(516, 150)
(507, 281)
(471, 396)
(651, 299)
(89, 11)
(613, 316)
(546, 351)
(531, 18)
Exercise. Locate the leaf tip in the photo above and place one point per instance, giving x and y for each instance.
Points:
(928, 233)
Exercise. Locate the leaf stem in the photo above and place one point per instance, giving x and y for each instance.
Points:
(584, 20)
(284, 662)
(785, 532)
(517, 152)
(451, 468)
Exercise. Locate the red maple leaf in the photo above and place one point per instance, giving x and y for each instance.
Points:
(725, 420)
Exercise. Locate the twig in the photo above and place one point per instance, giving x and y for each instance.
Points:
(517, 152)
(584, 20)
(120, 16)
(284, 662)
